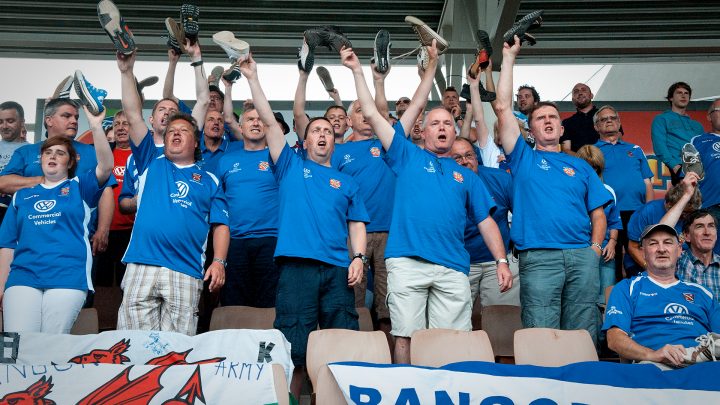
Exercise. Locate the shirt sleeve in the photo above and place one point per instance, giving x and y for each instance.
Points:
(16, 165)
(9, 230)
(129, 187)
(398, 151)
(219, 208)
(480, 203)
(282, 166)
(356, 209)
(144, 153)
(515, 158)
(644, 165)
(619, 309)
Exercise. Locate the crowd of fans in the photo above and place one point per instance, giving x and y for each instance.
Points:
(433, 207)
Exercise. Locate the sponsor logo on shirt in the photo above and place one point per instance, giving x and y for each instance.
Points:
(648, 294)
(375, 151)
(569, 171)
(263, 166)
(182, 191)
(716, 147)
(678, 314)
(307, 173)
(65, 191)
(335, 183)
(689, 297)
(544, 164)
(44, 205)
(458, 177)
(430, 168)
(613, 311)
(119, 171)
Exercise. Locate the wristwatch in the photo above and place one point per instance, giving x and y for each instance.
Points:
(221, 261)
(502, 260)
(360, 256)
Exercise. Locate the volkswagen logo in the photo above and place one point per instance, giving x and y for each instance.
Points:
(676, 309)
(119, 171)
(183, 190)
(44, 205)
(716, 147)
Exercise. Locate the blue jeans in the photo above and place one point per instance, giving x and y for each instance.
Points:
(559, 289)
(607, 278)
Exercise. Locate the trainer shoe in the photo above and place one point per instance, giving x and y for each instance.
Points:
(482, 58)
(232, 74)
(486, 96)
(63, 88)
(89, 95)
(215, 75)
(114, 25)
(708, 349)
(691, 161)
(520, 28)
(325, 78)
(175, 36)
(426, 34)
(381, 51)
(189, 14)
(147, 82)
(236, 49)
(423, 58)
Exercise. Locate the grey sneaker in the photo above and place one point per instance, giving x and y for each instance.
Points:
(691, 161)
(423, 58)
(115, 26)
(236, 49)
(232, 74)
(325, 78)
(175, 36)
(215, 75)
(426, 34)
(63, 88)
(708, 349)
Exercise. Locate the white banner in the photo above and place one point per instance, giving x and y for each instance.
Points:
(218, 366)
(499, 384)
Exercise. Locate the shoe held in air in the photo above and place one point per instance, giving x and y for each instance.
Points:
(381, 51)
(189, 14)
(521, 28)
(116, 28)
(232, 74)
(426, 34)
(325, 78)
(236, 49)
(482, 58)
(63, 88)
(691, 161)
(90, 96)
(175, 35)
(215, 75)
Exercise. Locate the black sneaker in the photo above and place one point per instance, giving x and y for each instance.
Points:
(232, 74)
(175, 36)
(482, 58)
(520, 28)
(189, 14)
(381, 53)
(116, 28)
(486, 96)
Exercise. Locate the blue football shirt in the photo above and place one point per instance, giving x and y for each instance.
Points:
(626, 169)
(499, 185)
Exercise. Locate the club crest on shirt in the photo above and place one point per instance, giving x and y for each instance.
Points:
(263, 166)
(335, 183)
(569, 171)
(629, 153)
(196, 177)
(689, 297)
(347, 159)
(64, 191)
(544, 164)
(44, 205)
(235, 167)
(375, 151)
(307, 173)
(458, 177)
(430, 168)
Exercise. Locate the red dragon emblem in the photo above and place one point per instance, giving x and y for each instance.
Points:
(33, 395)
(114, 355)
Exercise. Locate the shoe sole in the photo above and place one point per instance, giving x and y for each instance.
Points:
(325, 78)
(442, 44)
(235, 48)
(63, 88)
(190, 14)
(147, 82)
(176, 35)
(232, 75)
(691, 161)
(114, 25)
(382, 51)
(306, 56)
(216, 73)
(84, 94)
(530, 21)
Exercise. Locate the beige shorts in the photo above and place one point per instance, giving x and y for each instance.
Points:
(425, 295)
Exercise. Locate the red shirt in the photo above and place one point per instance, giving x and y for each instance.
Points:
(120, 221)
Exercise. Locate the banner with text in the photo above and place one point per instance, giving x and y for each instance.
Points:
(501, 384)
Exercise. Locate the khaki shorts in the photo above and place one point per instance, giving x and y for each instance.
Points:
(425, 295)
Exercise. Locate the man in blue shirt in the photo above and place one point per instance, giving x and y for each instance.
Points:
(177, 204)
(425, 255)
(319, 208)
(558, 218)
(674, 128)
(656, 318)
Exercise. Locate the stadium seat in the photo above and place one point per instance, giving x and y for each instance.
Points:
(500, 322)
(553, 347)
(241, 317)
(438, 347)
(281, 386)
(364, 319)
(333, 345)
(86, 322)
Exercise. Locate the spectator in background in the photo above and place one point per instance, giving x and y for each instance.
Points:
(699, 264)
(579, 127)
(674, 128)
(12, 123)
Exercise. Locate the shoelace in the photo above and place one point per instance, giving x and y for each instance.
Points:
(691, 159)
(707, 341)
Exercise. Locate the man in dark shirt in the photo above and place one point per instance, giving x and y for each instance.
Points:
(580, 128)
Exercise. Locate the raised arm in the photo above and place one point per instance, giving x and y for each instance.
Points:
(420, 98)
(689, 183)
(202, 93)
(508, 128)
(131, 103)
(467, 125)
(478, 114)
(105, 160)
(274, 133)
(228, 115)
(169, 84)
(379, 84)
(301, 120)
(335, 96)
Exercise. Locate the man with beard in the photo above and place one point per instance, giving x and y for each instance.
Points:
(579, 127)
(12, 122)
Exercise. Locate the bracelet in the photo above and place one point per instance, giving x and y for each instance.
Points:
(501, 260)
(196, 63)
(221, 261)
(597, 245)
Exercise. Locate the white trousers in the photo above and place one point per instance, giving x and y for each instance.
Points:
(27, 309)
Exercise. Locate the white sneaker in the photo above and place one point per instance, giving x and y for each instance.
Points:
(708, 349)
(236, 49)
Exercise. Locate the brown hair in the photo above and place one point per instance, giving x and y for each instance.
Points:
(594, 156)
(68, 144)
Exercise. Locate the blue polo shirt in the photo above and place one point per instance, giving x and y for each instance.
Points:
(251, 191)
(626, 169)
(499, 185)
(211, 159)
(552, 198)
(708, 145)
(47, 227)
(670, 131)
(654, 315)
(365, 162)
(316, 203)
(434, 198)
(176, 205)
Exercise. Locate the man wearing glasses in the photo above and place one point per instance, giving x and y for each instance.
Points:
(626, 171)
(401, 105)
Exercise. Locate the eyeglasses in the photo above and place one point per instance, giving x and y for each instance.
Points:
(403, 101)
(714, 110)
(467, 156)
(612, 118)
